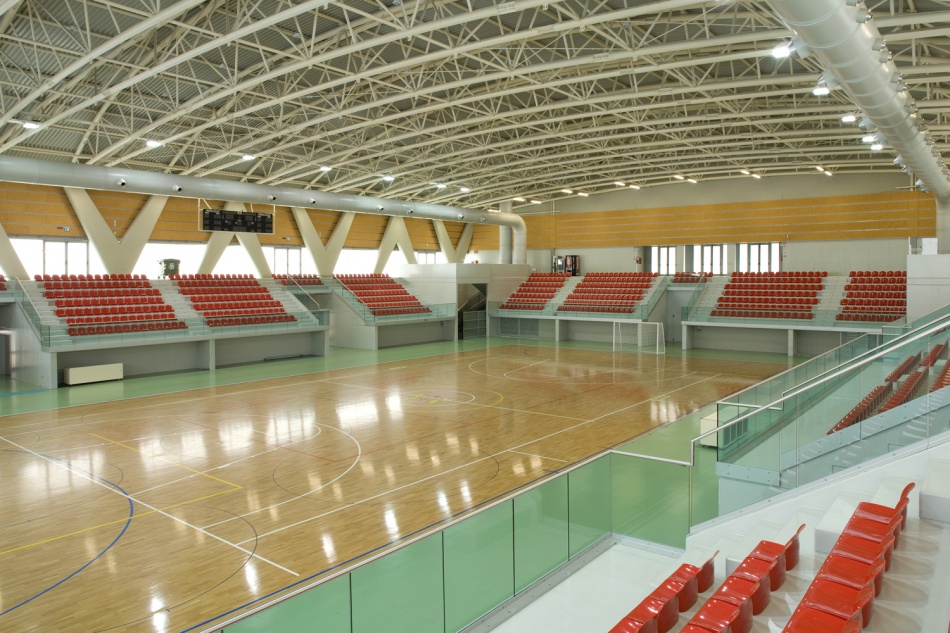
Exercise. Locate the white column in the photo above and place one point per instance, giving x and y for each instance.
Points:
(325, 257)
(505, 236)
(218, 241)
(9, 260)
(943, 226)
(252, 244)
(117, 256)
(395, 235)
(445, 242)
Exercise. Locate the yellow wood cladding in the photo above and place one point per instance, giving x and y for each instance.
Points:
(872, 216)
(34, 210)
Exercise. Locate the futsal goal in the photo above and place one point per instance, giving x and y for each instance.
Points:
(644, 337)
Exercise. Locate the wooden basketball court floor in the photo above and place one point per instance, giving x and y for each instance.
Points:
(163, 512)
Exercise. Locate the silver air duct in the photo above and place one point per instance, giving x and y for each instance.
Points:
(38, 172)
(851, 48)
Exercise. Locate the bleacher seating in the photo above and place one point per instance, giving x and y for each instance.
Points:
(907, 390)
(939, 351)
(3, 283)
(943, 378)
(874, 296)
(690, 278)
(299, 280)
(864, 409)
(906, 365)
(608, 292)
(230, 300)
(782, 295)
(382, 294)
(108, 304)
(535, 291)
(841, 596)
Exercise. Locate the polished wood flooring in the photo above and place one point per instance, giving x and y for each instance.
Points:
(164, 512)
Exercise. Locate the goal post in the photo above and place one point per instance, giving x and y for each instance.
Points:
(644, 337)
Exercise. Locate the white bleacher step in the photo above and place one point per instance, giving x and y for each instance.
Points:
(935, 492)
(887, 493)
(775, 532)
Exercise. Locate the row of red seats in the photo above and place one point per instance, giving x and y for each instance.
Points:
(898, 311)
(237, 305)
(937, 352)
(250, 320)
(841, 597)
(239, 312)
(596, 308)
(138, 317)
(784, 287)
(659, 612)
(396, 290)
(899, 288)
(215, 294)
(202, 285)
(103, 277)
(729, 301)
(126, 328)
(531, 296)
(209, 277)
(153, 308)
(413, 303)
(622, 275)
(607, 296)
(752, 291)
(599, 301)
(108, 301)
(300, 280)
(907, 390)
(521, 306)
(106, 292)
(943, 380)
(878, 273)
(97, 285)
(877, 296)
(397, 311)
(539, 275)
(690, 278)
(785, 274)
(863, 410)
(906, 365)
(865, 317)
(614, 285)
(362, 276)
(762, 314)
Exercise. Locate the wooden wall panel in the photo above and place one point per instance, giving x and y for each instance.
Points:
(484, 238)
(873, 216)
(31, 210)
(367, 231)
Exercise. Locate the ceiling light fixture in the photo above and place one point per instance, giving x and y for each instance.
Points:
(325, 168)
(152, 143)
(783, 50)
(30, 125)
(821, 91)
(519, 199)
(691, 180)
(535, 202)
(744, 172)
(619, 184)
(869, 138)
(248, 157)
(388, 178)
(849, 118)
(637, 187)
(819, 168)
(582, 194)
(679, 177)
(828, 173)
(440, 185)
(756, 176)
(567, 191)
(464, 189)
(877, 147)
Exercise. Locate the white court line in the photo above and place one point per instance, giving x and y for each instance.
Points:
(145, 505)
(555, 459)
(413, 483)
(524, 367)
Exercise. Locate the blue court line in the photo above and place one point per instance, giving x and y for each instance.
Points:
(97, 556)
(20, 393)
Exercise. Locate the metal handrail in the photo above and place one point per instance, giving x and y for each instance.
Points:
(36, 311)
(922, 333)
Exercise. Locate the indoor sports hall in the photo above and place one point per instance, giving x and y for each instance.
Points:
(544, 315)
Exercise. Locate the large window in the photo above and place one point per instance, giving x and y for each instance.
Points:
(55, 257)
(709, 258)
(663, 259)
(762, 257)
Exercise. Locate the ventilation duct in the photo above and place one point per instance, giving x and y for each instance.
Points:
(846, 42)
(38, 172)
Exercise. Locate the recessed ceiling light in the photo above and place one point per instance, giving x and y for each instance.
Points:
(248, 157)
(679, 177)
(440, 185)
(325, 168)
(582, 194)
(519, 199)
(849, 118)
(388, 178)
(870, 138)
(619, 184)
(819, 168)
(30, 125)
(821, 91)
(744, 172)
(827, 173)
(153, 143)
(464, 189)
(535, 202)
(634, 186)
(567, 191)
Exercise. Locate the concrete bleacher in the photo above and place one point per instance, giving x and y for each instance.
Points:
(535, 292)
(617, 293)
(231, 300)
(875, 296)
(107, 304)
(783, 295)
(914, 590)
(382, 295)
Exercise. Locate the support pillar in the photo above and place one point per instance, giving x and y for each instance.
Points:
(943, 226)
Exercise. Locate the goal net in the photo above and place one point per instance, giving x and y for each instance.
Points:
(643, 337)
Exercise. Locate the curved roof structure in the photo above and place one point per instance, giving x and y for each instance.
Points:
(464, 102)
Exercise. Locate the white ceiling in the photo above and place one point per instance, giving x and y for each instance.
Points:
(521, 98)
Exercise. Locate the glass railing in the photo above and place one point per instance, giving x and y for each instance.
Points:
(866, 320)
(449, 577)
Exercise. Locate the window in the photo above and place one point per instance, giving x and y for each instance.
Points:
(663, 259)
(709, 258)
(760, 257)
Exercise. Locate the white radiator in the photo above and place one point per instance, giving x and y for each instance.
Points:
(92, 373)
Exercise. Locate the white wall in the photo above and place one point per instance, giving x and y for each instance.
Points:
(841, 257)
(928, 284)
